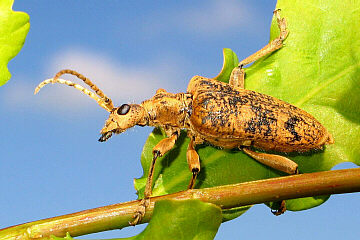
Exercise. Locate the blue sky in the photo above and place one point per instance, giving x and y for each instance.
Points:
(51, 162)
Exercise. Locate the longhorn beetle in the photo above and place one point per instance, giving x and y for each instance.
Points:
(224, 115)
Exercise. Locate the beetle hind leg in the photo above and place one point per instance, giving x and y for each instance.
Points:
(278, 208)
(277, 162)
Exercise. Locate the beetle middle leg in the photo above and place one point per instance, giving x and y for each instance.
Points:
(277, 162)
(193, 161)
(238, 74)
(159, 150)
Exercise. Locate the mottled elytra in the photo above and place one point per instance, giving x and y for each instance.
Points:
(224, 115)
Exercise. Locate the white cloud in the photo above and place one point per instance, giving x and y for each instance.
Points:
(118, 81)
(122, 83)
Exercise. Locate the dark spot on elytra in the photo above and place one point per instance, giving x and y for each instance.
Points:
(251, 126)
(290, 126)
(262, 122)
(235, 100)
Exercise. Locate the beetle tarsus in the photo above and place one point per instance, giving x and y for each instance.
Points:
(281, 209)
(156, 154)
(140, 211)
(145, 202)
(193, 178)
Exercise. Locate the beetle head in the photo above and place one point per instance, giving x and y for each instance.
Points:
(122, 118)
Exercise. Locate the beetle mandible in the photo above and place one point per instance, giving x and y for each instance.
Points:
(224, 115)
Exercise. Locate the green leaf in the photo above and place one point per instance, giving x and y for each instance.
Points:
(190, 219)
(229, 63)
(13, 29)
(317, 70)
(230, 214)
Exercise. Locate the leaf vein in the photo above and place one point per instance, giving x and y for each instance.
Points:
(323, 85)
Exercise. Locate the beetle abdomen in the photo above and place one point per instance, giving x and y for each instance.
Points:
(229, 118)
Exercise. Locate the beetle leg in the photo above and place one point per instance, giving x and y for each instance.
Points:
(193, 160)
(238, 75)
(273, 45)
(277, 211)
(237, 78)
(279, 163)
(159, 150)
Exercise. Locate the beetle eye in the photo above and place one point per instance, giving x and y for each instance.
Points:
(123, 109)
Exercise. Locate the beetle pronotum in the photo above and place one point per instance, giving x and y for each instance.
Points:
(224, 115)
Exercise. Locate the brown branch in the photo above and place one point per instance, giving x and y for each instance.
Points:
(118, 215)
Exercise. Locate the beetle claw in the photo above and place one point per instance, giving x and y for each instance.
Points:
(140, 212)
(280, 210)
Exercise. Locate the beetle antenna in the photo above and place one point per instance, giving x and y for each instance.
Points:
(103, 101)
(87, 81)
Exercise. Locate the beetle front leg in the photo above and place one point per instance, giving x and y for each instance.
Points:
(238, 75)
(159, 150)
(277, 162)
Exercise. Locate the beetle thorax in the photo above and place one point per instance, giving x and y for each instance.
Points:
(168, 109)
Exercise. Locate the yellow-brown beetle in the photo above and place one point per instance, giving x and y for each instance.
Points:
(224, 115)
